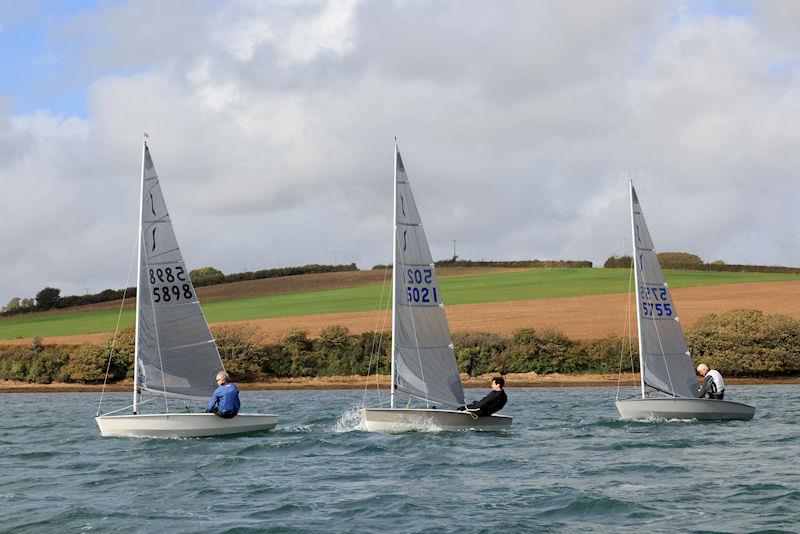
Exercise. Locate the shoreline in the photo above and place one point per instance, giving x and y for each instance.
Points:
(513, 380)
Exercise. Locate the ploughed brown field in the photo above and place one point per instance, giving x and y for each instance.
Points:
(588, 317)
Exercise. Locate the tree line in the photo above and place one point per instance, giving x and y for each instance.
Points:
(738, 343)
(530, 264)
(692, 262)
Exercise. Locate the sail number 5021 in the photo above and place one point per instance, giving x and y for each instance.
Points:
(416, 282)
(176, 286)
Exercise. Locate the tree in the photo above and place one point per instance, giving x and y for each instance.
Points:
(204, 274)
(13, 305)
(615, 261)
(336, 352)
(679, 260)
(48, 298)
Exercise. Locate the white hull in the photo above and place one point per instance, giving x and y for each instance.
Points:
(682, 408)
(183, 425)
(391, 421)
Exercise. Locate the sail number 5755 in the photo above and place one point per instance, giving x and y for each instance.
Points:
(655, 302)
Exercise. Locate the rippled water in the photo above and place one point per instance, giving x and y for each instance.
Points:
(567, 465)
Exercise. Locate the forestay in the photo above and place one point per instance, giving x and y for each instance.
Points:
(425, 363)
(177, 355)
(665, 356)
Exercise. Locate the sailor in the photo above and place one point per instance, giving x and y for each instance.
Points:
(225, 400)
(491, 403)
(713, 386)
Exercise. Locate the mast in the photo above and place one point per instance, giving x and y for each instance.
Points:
(394, 268)
(636, 268)
(138, 293)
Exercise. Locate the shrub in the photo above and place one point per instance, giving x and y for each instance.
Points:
(275, 361)
(747, 342)
(372, 349)
(298, 349)
(679, 260)
(547, 351)
(476, 352)
(618, 262)
(336, 352)
(34, 363)
(240, 353)
(603, 355)
(86, 365)
(122, 351)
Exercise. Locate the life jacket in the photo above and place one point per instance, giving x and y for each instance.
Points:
(716, 377)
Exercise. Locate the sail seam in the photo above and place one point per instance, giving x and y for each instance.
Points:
(414, 328)
(427, 347)
(440, 401)
(179, 304)
(165, 252)
(200, 344)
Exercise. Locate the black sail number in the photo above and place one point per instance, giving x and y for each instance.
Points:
(170, 284)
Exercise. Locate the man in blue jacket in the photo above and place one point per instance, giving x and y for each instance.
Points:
(225, 400)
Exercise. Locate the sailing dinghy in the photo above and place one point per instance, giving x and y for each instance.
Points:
(664, 360)
(176, 355)
(423, 361)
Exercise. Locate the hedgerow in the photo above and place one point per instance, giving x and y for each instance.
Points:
(738, 343)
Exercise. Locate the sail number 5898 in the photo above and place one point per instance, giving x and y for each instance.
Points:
(176, 286)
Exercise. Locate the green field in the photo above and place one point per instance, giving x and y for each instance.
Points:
(529, 284)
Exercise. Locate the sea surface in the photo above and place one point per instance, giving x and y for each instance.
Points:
(568, 465)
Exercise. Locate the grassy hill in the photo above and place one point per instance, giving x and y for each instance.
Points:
(516, 285)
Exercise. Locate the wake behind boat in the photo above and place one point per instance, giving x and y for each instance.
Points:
(176, 356)
(423, 361)
(664, 360)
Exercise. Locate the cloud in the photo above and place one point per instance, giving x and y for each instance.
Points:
(272, 126)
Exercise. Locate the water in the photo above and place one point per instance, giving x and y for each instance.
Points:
(567, 465)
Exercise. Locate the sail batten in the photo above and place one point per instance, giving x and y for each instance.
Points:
(666, 363)
(176, 353)
(424, 360)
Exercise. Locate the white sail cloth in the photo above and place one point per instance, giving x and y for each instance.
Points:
(177, 355)
(665, 356)
(425, 363)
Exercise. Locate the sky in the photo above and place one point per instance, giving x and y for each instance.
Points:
(272, 125)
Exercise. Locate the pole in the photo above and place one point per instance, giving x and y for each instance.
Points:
(394, 270)
(138, 293)
(636, 268)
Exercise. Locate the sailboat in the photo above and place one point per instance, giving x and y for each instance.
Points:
(423, 360)
(176, 356)
(664, 360)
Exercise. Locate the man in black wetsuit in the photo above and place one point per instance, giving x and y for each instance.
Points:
(491, 403)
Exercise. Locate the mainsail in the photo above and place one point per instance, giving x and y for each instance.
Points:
(425, 363)
(176, 354)
(665, 358)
